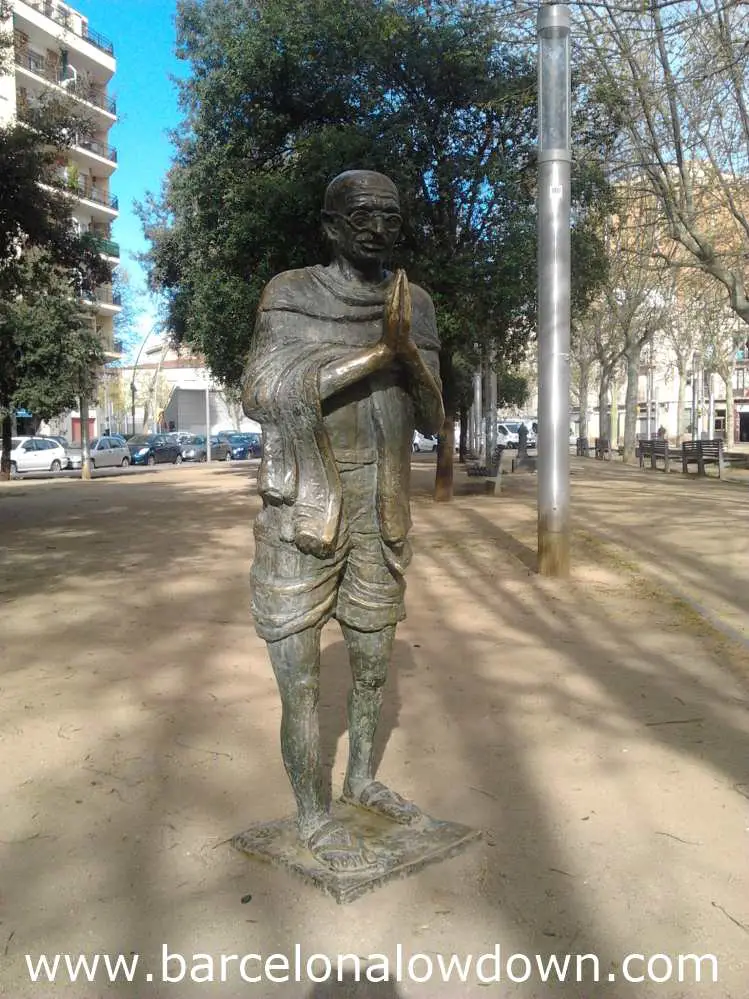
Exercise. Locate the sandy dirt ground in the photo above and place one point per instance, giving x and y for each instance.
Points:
(596, 730)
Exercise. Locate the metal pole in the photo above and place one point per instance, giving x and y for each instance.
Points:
(554, 160)
(208, 422)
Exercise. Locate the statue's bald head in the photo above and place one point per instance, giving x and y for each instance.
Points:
(353, 183)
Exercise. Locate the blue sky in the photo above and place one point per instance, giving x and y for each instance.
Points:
(143, 35)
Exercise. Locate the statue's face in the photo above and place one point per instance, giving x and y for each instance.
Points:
(366, 225)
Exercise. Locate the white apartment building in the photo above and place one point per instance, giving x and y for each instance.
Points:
(55, 48)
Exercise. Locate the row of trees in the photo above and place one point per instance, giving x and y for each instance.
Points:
(284, 94)
(678, 243)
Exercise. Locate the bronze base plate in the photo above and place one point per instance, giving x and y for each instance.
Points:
(406, 849)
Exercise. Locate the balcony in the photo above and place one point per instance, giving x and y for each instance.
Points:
(75, 88)
(95, 194)
(100, 148)
(63, 16)
(105, 296)
(107, 247)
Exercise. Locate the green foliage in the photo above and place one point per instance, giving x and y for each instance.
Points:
(48, 342)
(36, 213)
(49, 347)
(285, 94)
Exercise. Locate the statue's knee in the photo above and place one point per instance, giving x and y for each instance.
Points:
(371, 677)
(299, 689)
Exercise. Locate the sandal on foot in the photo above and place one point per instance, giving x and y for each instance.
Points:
(334, 847)
(380, 799)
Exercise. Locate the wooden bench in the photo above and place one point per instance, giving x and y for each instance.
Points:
(582, 447)
(656, 449)
(603, 448)
(702, 453)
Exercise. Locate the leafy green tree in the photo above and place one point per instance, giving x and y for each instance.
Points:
(49, 346)
(282, 96)
(46, 267)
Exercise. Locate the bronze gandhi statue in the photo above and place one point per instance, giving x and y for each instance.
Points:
(344, 365)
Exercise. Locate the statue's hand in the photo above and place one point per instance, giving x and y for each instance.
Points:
(397, 319)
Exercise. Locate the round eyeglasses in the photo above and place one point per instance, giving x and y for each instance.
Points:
(362, 219)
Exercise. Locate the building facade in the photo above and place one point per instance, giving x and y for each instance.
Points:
(170, 390)
(56, 49)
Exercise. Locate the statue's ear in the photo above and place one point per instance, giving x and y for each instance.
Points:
(330, 227)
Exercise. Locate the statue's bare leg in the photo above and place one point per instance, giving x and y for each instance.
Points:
(369, 654)
(296, 664)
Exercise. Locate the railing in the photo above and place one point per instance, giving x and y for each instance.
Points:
(91, 193)
(62, 16)
(82, 91)
(107, 247)
(100, 148)
(105, 296)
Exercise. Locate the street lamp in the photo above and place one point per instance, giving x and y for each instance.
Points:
(554, 159)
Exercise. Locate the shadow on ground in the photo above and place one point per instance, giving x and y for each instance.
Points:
(140, 720)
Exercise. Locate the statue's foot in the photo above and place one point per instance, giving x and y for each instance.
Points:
(334, 846)
(376, 797)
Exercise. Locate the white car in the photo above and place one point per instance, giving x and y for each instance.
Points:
(423, 443)
(37, 454)
(507, 436)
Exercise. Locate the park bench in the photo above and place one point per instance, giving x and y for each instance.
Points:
(656, 449)
(603, 448)
(702, 453)
(582, 447)
(490, 472)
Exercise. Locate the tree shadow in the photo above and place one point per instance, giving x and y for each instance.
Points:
(335, 683)
(350, 988)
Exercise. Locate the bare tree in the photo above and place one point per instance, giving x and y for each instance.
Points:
(628, 311)
(679, 71)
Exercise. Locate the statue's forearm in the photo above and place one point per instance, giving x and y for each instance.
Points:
(339, 375)
(426, 392)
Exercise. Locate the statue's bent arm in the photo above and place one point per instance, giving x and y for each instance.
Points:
(359, 364)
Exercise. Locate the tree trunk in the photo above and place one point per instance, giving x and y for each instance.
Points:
(681, 425)
(630, 405)
(584, 386)
(443, 482)
(603, 391)
(614, 413)
(85, 442)
(7, 439)
(463, 435)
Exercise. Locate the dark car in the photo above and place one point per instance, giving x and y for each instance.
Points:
(243, 446)
(195, 449)
(150, 449)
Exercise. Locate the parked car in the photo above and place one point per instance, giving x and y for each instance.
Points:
(424, 442)
(507, 436)
(243, 446)
(36, 454)
(62, 441)
(109, 452)
(152, 449)
(195, 449)
(181, 437)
